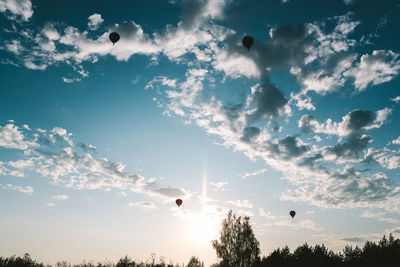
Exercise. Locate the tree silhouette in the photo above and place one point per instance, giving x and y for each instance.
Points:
(238, 246)
(14, 261)
(195, 262)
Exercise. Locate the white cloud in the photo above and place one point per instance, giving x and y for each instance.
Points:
(380, 67)
(95, 21)
(12, 137)
(322, 81)
(143, 204)
(71, 80)
(386, 158)
(396, 99)
(265, 214)
(21, 164)
(72, 164)
(332, 43)
(380, 216)
(219, 185)
(22, 189)
(304, 224)
(347, 189)
(60, 197)
(17, 8)
(396, 141)
(34, 66)
(302, 101)
(353, 122)
(241, 203)
(15, 47)
(235, 65)
(254, 173)
(164, 81)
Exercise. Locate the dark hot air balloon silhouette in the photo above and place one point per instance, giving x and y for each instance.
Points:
(179, 202)
(248, 42)
(114, 37)
(292, 213)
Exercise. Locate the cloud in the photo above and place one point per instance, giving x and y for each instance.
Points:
(164, 81)
(355, 239)
(72, 164)
(68, 80)
(349, 150)
(267, 102)
(22, 189)
(18, 9)
(380, 67)
(235, 65)
(265, 214)
(328, 78)
(396, 99)
(241, 203)
(396, 141)
(95, 21)
(143, 204)
(169, 192)
(303, 165)
(14, 46)
(381, 216)
(194, 12)
(353, 123)
(304, 224)
(219, 185)
(60, 197)
(389, 159)
(12, 137)
(254, 173)
(352, 126)
(347, 188)
(289, 147)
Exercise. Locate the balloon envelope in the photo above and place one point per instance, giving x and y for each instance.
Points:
(114, 37)
(248, 42)
(292, 213)
(179, 202)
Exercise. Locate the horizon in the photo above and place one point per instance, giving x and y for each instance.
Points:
(99, 139)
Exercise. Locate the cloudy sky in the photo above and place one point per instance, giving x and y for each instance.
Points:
(98, 140)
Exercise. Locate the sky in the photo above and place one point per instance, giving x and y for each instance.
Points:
(97, 140)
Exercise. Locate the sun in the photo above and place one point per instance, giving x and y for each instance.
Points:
(204, 228)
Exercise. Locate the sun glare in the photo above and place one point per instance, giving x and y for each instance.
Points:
(204, 229)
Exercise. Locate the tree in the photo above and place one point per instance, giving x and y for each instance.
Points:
(238, 245)
(195, 262)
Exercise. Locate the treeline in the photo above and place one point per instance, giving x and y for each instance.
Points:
(239, 247)
(27, 261)
(385, 253)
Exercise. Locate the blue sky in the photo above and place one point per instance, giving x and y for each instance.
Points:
(97, 141)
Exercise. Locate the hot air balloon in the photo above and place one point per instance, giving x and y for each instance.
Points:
(179, 202)
(248, 42)
(114, 37)
(292, 213)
